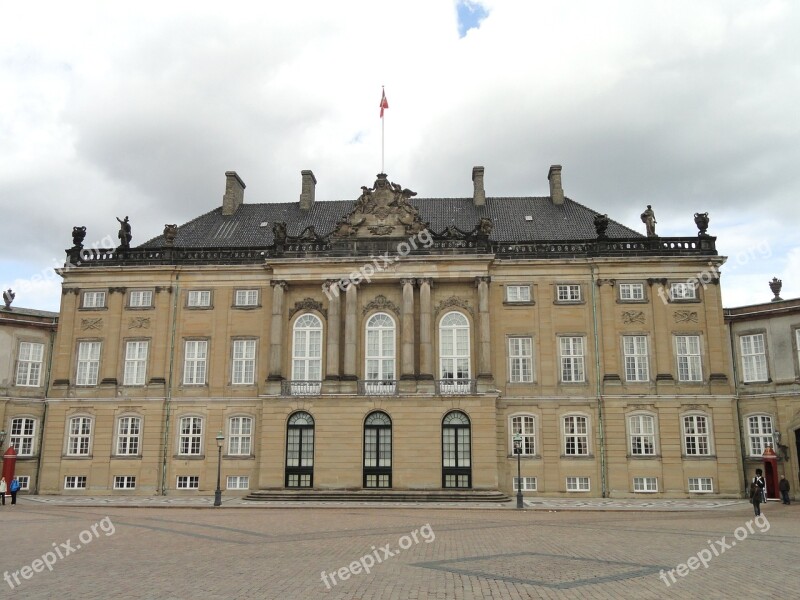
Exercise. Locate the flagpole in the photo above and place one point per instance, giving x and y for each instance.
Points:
(383, 95)
(382, 147)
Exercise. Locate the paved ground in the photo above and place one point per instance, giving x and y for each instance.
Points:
(186, 552)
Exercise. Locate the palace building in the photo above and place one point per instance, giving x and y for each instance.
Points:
(394, 344)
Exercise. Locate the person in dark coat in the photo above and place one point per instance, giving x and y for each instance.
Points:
(757, 491)
(784, 488)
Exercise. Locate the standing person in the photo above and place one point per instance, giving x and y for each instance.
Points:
(3, 488)
(757, 490)
(784, 487)
(14, 488)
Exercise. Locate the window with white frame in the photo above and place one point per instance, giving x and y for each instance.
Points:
(124, 482)
(701, 484)
(29, 364)
(645, 484)
(240, 432)
(195, 359)
(129, 431)
(140, 299)
(759, 433)
(380, 349)
(23, 435)
(754, 357)
(135, 362)
(631, 292)
(696, 435)
(642, 430)
(568, 292)
(246, 298)
(525, 426)
(24, 482)
(198, 298)
(454, 346)
(244, 362)
(682, 291)
(238, 482)
(520, 359)
(528, 484)
(577, 484)
(188, 482)
(687, 348)
(191, 436)
(94, 299)
(79, 438)
(636, 361)
(572, 359)
(576, 435)
(518, 293)
(307, 353)
(75, 482)
(88, 363)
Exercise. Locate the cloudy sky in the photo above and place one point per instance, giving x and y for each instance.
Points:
(110, 109)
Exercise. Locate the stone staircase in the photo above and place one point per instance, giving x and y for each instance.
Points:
(360, 495)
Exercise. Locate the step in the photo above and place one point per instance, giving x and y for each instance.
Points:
(312, 495)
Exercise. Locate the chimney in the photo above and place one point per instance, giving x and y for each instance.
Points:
(234, 193)
(556, 191)
(307, 190)
(479, 194)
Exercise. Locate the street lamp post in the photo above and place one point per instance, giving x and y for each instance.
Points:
(518, 451)
(218, 493)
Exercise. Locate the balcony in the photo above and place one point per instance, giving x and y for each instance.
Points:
(300, 388)
(456, 387)
(378, 387)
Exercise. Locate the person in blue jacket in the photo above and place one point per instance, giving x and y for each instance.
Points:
(14, 488)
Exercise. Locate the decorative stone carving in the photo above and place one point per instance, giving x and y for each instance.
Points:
(633, 316)
(279, 232)
(600, 226)
(117, 290)
(88, 324)
(170, 232)
(8, 298)
(775, 285)
(78, 235)
(124, 234)
(308, 304)
(701, 220)
(685, 316)
(68, 290)
(381, 302)
(602, 282)
(279, 283)
(649, 220)
(451, 302)
(139, 323)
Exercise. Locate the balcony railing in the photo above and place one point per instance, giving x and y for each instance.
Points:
(300, 388)
(378, 387)
(455, 387)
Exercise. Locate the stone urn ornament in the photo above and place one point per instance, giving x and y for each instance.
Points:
(775, 285)
(701, 220)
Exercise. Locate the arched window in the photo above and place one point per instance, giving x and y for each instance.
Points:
(456, 451)
(454, 367)
(380, 371)
(307, 355)
(378, 451)
(300, 450)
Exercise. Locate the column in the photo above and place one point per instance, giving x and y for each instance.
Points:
(334, 322)
(350, 333)
(484, 333)
(425, 329)
(113, 323)
(407, 330)
(276, 332)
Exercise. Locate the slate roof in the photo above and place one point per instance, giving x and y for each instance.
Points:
(568, 221)
(27, 312)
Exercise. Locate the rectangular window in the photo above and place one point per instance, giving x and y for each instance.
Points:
(759, 430)
(94, 299)
(754, 357)
(631, 291)
(571, 359)
(239, 435)
(140, 299)
(696, 435)
(577, 484)
(518, 293)
(194, 366)
(576, 436)
(75, 482)
(241, 482)
(701, 484)
(129, 430)
(80, 436)
(688, 354)
(645, 484)
(199, 298)
(528, 484)
(246, 298)
(643, 436)
(124, 482)
(24, 482)
(188, 482)
(520, 359)
(23, 431)
(135, 363)
(244, 362)
(682, 291)
(29, 364)
(191, 436)
(88, 363)
(524, 425)
(568, 292)
(636, 363)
